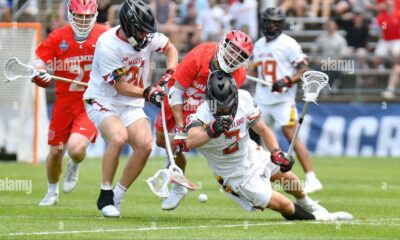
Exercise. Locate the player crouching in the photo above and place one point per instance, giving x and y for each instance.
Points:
(219, 130)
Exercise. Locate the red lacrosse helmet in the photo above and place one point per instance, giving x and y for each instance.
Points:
(234, 50)
(82, 15)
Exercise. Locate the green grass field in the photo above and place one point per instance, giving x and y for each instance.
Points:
(369, 188)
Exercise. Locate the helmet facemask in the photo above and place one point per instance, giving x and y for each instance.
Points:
(230, 56)
(139, 39)
(82, 15)
(272, 29)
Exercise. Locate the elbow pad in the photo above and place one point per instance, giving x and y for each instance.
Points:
(175, 96)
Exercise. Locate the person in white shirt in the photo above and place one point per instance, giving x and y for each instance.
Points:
(280, 61)
(219, 131)
(116, 94)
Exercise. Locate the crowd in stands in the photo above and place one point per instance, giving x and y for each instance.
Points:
(349, 25)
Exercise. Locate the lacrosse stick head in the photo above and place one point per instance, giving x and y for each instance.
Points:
(313, 83)
(158, 183)
(177, 177)
(14, 69)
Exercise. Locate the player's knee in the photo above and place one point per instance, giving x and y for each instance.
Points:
(77, 151)
(261, 200)
(56, 152)
(118, 140)
(146, 146)
(160, 141)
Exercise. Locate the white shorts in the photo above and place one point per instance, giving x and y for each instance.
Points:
(386, 48)
(253, 191)
(279, 114)
(100, 109)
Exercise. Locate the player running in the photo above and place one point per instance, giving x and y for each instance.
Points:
(280, 61)
(219, 131)
(69, 52)
(116, 94)
(187, 91)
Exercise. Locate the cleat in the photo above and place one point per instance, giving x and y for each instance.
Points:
(71, 177)
(312, 206)
(312, 185)
(176, 195)
(110, 211)
(50, 199)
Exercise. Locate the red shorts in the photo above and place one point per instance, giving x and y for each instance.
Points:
(169, 118)
(69, 117)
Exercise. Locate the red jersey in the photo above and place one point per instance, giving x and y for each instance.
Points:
(193, 71)
(69, 58)
(389, 25)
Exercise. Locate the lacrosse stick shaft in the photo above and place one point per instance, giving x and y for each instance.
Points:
(166, 136)
(296, 133)
(69, 80)
(258, 80)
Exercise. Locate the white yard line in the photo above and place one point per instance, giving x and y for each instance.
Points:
(388, 222)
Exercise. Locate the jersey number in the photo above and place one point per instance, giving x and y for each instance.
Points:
(77, 69)
(134, 75)
(269, 69)
(234, 146)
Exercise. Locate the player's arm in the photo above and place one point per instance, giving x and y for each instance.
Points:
(288, 81)
(278, 156)
(171, 55)
(153, 94)
(175, 100)
(46, 51)
(200, 133)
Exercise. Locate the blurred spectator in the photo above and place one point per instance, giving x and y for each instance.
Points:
(187, 5)
(357, 32)
(5, 11)
(165, 13)
(106, 11)
(388, 20)
(244, 14)
(211, 23)
(32, 8)
(299, 7)
(53, 21)
(331, 47)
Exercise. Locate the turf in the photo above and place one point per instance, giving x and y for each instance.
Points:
(369, 188)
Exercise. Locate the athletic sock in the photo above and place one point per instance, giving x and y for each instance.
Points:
(304, 200)
(119, 192)
(52, 188)
(106, 186)
(299, 214)
(310, 175)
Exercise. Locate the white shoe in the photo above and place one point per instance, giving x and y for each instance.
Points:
(312, 206)
(50, 199)
(341, 216)
(388, 94)
(322, 215)
(176, 195)
(71, 177)
(110, 211)
(312, 185)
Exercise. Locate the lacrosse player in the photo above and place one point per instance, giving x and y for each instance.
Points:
(219, 131)
(69, 52)
(280, 61)
(117, 92)
(187, 91)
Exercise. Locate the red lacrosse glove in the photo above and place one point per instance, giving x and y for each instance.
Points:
(43, 78)
(282, 159)
(154, 94)
(165, 78)
(180, 139)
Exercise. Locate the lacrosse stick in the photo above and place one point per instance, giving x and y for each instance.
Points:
(158, 184)
(313, 83)
(258, 80)
(15, 69)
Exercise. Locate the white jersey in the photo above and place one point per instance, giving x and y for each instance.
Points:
(228, 155)
(275, 60)
(113, 53)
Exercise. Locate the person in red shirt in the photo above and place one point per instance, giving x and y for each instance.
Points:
(68, 51)
(187, 89)
(388, 21)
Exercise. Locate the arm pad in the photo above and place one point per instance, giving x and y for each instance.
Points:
(175, 96)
